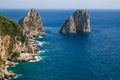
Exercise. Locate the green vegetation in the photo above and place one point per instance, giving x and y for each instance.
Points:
(16, 53)
(9, 27)
(2, 61)
(22, 38)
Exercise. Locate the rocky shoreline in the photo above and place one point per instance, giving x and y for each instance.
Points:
(24, 57)
(28, 56)
(17, 42)
(23, 47)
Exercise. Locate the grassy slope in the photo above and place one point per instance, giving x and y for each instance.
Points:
(9, 27)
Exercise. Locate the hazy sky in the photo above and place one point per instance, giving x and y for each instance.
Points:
(61, 4)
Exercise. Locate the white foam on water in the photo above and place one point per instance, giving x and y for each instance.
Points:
(42, 51)
(47, 34)
(40, 36)
(38, 58)
(7, 66)
(40, 43)
(17, 76)
(15, 63)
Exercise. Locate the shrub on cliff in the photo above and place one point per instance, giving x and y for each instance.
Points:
(9, 27)
(2, 61)
(16, 53)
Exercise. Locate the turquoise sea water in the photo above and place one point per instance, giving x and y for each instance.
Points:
(93, 56)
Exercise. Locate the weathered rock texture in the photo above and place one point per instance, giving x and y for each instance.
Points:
(78, 22)
(16, 42)
(32, 24)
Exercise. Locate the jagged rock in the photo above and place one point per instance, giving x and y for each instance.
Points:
(11, 64)
(14, 45)
(32, 24)
(2, 77)
(78, 22)
(5, 74)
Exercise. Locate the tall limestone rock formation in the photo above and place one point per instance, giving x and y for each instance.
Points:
(15, 41)
(78, 22)
(32, 24)
(12, 43)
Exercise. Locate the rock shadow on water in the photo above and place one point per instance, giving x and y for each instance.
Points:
(78, 35)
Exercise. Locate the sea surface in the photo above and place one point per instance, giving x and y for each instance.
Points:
(83, 56)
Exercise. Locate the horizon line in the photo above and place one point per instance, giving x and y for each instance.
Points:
(59, 9)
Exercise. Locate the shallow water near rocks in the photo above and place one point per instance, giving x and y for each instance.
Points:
(92, 56)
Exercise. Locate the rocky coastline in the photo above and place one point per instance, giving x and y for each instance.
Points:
(21, 46)
(17, 42)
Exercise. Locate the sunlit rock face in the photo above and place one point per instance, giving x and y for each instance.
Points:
(78, 22)
(32, 24)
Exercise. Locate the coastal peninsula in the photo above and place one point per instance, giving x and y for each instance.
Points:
(16, 40)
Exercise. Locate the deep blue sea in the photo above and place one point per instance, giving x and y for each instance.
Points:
(92, 56)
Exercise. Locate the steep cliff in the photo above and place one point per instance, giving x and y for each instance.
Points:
(78, 22)
(16, 40)
(14, 44)
(32, 24)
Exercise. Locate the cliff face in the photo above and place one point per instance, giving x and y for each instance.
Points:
(16, 43)
(78, 22)
(13, 44)
(32, 24)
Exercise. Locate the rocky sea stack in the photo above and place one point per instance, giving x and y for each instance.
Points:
(16, 41)
(78, 22)
(32, 24)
